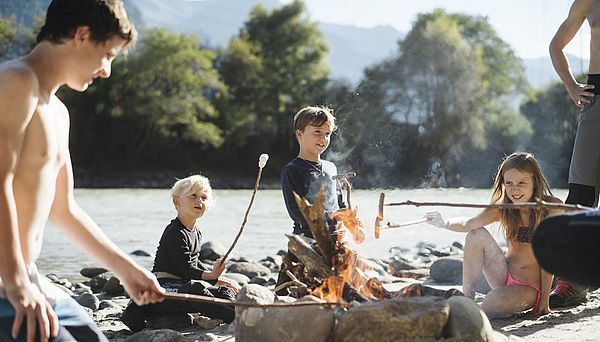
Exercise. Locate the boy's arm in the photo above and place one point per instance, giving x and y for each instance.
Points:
(19, 99)
(578, 92)
(140, 284)
(291, 183)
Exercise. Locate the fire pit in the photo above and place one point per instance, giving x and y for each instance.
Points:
(353, 308)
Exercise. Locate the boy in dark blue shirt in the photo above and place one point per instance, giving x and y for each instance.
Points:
(307, 173)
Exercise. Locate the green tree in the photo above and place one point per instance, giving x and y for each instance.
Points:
(275, 66)
(554, 118)
(16, 39)
(157, 99)
(447, 91)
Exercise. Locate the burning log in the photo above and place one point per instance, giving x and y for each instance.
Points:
(336, 266)
(313, 262)
(315, 217)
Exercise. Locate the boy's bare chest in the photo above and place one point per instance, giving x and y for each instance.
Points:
(46, 137)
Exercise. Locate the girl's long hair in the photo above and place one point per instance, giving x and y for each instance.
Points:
(510, 219)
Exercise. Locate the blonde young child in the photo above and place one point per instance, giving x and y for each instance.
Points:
(517, 281)
(177, 263)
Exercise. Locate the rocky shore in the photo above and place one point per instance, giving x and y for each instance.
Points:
(103, 298)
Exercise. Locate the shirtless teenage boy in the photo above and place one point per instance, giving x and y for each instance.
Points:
(584, 168)
(78, 42)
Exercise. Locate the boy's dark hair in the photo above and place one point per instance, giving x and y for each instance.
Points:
(316, 116)
(105, 18)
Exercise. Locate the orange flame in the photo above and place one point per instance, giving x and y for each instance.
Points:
(349, 269)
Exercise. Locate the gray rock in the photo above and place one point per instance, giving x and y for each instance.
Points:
(394, 319)
(458, 245)
(113, 286)
(249, 269)
(253, 293)
(52, 277)
(176, 321)
(237, 277)
(109, 304)
(98, 282)
(65, 282)
(82, 288)
(273, 267)
(277, 259)
(263, 281)
(212, 250)
(91, 272)
(447, 270)
(467, 322)
(163, 335)
(398, 264)
(285, 323)
(89, 301)
(281, 252)
(139, 252)
(206, 323)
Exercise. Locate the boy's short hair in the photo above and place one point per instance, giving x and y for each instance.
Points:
(193, 183)
(314, 115)
(105, 18)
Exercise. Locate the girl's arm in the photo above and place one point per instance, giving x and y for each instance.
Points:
(463, 224)
(544, 305)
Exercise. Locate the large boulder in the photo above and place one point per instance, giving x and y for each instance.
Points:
(467, 322)
(396, 319)
(300, 323)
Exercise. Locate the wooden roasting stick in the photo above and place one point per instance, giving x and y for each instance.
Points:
(262, 161)
(186, 297)
(404, 224)
(538, 204)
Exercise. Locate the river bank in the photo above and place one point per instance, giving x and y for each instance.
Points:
(105, 301)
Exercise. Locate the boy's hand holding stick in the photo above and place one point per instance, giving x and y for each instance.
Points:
(262, 161)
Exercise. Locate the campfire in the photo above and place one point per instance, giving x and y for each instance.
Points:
(330, 269)
(350, 306)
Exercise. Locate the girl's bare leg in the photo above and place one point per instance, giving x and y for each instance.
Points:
(508, 300)
(482, 254)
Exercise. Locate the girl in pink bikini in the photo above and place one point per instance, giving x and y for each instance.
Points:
(517, 281)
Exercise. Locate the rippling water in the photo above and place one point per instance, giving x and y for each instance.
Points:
(135, 218)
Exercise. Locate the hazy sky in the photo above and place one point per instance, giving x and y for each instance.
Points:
(527, 25)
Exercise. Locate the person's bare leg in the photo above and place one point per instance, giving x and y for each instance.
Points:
(482, 254)
(508, 300)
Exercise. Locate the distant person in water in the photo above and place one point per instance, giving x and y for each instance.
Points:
(77, 44)
(306, 174)
(177, 263)
(517, 281)
(584, 170)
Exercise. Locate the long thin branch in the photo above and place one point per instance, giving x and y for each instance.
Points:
(186, 297)
(538, 204)
(245, 215)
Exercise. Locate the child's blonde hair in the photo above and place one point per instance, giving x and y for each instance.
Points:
(511, 218)
(192, 184)
(314, 115)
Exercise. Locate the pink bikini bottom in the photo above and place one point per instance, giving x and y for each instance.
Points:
(512, 281)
